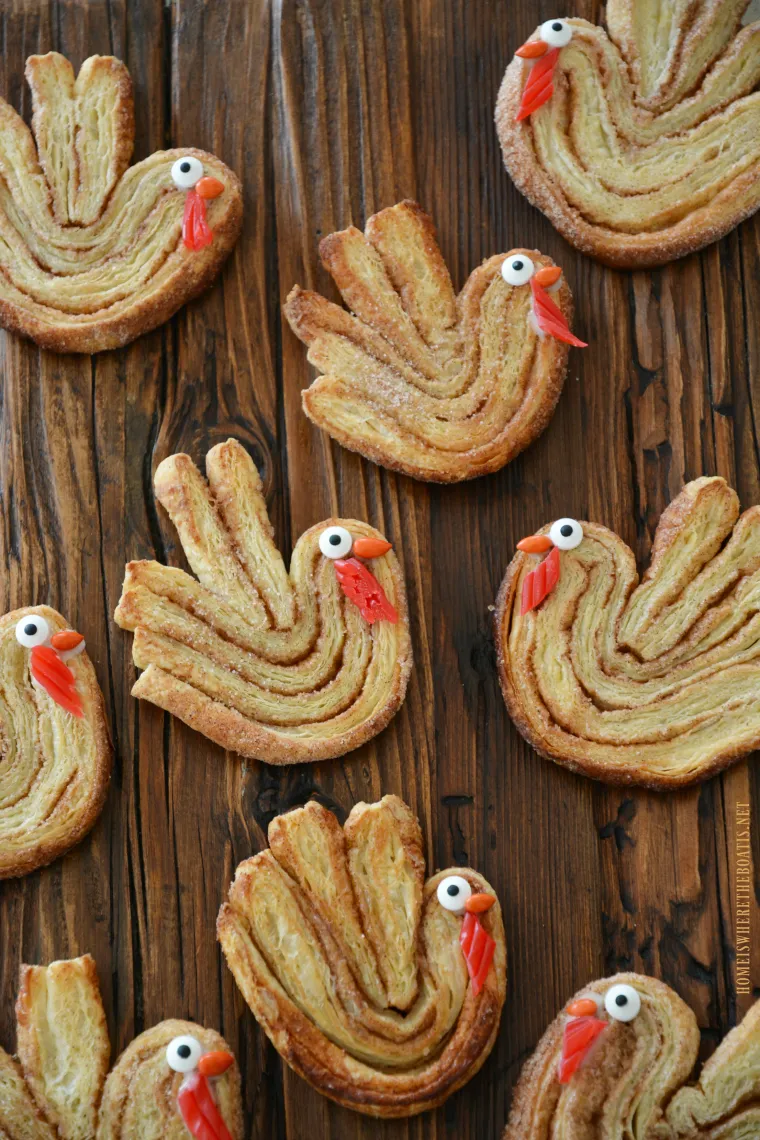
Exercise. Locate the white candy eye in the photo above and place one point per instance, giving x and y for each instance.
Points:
(566, 534)
(335, 542)
(517, 269)
(453, 892)
(622, 1002)
(32, 630)
(186, 172)
(556, 33)
(183, 1054)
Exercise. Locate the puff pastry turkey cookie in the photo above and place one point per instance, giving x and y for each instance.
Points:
(418, 379)
(94, 252)
(615, 1064)
(55, 753)
(174, 1081)
(654, 682)
(276, 665)
(640, 144)
(382, 989)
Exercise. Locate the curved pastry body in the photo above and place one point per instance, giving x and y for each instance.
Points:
(352, 966)
(274, 665)
(630, 1080)
(654, 683)
(58, 1088)
(54, 766)
(649, 147)
(418, 379)
(91, 250)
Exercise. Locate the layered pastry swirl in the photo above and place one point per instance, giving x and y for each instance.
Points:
(615, 1063)
(174, 1081)
(55, 753)
(416, 378)
(276, 665)
(654, 682)
(382, 989)
(94, 252)
(642, 143)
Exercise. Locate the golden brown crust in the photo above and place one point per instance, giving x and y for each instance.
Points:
(648, 148)
(439, 387)
(54, 768)
(353, 968)
(273, 665)
(652, 683)
(633, 1082)
(94, 255)
(59, 1089)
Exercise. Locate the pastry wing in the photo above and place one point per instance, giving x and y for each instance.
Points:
(416, 378)
(274, 665)
(91, 251)
(653, 683)
(352, 966)
(649, 147)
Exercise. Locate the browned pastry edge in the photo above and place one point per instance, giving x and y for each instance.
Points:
(700, 228)
(44, 853)
(596, 769)
(194, 275)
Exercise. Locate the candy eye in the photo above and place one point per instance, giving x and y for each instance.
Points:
(566, 534)
(453, 892)
(556, 33)
(32, 630)
(622, 1002)
(186, 172)
(183, 1054)
(517, 269)
(335, 542)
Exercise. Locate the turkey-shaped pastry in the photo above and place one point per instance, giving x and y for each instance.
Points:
(613, 1066)
(94, 252)
(283, 667)
(383, 990)
(175, 1081)
(418, 379)
(642, 145)
(55, 753)
(654, 683)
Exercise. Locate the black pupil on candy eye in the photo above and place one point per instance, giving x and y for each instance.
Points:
(30, 629)
(566, 530)
(517, 266)
(453, 890)
(621, 1000)
(185, 167)
(556, 26)
(334, 540)
(183, 1051)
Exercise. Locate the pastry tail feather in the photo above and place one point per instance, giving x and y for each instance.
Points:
(578, 1040)
(550, 318)
(196, 233)
(540, 582)
(198, 1110)
(55, 677)
(363, 589)
(539, 86)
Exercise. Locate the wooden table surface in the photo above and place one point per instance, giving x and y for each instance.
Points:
(329, 110)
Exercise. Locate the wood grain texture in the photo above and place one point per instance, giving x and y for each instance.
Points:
(330, 110)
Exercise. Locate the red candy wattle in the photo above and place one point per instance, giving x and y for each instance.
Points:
(540, 582)
(56, 678)
(195, 229)
(478, 948)
(550, 318)
(580, 1034)
(539, 87)
(363, 589)
(198, 1110)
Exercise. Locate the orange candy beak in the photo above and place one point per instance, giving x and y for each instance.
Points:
(547, 276)
(216, 1063)
(536, 544)
(65, 640)
(533, 49)
(583, 1007)
(208, 187)
(370, 547)
(479, 904)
